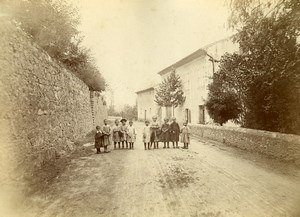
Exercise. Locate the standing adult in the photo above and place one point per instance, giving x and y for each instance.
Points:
(174, 132)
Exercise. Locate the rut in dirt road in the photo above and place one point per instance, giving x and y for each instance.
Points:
(207, 180)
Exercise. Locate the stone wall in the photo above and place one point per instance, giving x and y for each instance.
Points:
(44, 107)
(99, 109)
(285, 147)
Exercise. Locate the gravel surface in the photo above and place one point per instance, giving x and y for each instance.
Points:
(207, 180)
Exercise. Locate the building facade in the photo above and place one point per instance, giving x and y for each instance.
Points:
(196, 72)
(146, 105)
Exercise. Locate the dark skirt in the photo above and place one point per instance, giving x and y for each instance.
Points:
(154, 136)
(164, 137)
(174, 137)
(99, 143)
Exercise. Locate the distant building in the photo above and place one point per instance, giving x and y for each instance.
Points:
(195, 71)
(146, 106)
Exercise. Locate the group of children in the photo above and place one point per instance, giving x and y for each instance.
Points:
(123, 135)
(102, 137)
(154, 133)
(119, 134)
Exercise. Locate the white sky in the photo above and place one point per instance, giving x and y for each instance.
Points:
(134, 39)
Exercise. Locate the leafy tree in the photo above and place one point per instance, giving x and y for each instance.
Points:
(266, 72)
(222, 104)
(162, 95)
(112, 112)
(129, 112)
(52, 24)
(169, 92)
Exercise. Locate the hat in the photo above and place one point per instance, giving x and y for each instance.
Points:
(123, 120)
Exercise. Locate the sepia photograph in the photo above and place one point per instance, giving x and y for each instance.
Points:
(149, 108)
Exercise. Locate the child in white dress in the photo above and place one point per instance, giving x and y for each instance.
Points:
(146, 135)
(185, 135)
(131, 134)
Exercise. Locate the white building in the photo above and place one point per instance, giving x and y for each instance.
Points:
(146, 106)
(195, 71)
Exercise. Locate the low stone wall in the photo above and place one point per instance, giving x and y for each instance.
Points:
(44, 107)
(285, 147)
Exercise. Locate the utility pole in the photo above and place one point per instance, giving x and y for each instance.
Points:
(213, 60)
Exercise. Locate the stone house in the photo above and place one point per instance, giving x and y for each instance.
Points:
(196, 71)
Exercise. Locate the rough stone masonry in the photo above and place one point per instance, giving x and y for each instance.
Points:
(44, 107)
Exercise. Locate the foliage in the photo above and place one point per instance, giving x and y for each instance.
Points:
(222, 104)
(169, 92)
(81, 63)
(53, 24)
(128, 112)
(111, 111)
(265, 74)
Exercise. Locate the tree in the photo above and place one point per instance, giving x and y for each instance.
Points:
(222, 104)
(169, 92)
(129, 112)
(111, 111)
(52, 24)
(266, 72)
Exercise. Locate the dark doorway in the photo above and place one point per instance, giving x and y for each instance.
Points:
(201, 114)
(188, 115)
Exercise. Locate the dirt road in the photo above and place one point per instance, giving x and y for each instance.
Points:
(207, 180)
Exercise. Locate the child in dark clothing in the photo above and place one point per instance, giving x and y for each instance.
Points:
(174, 132)
(165, 133)
(98, 139)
